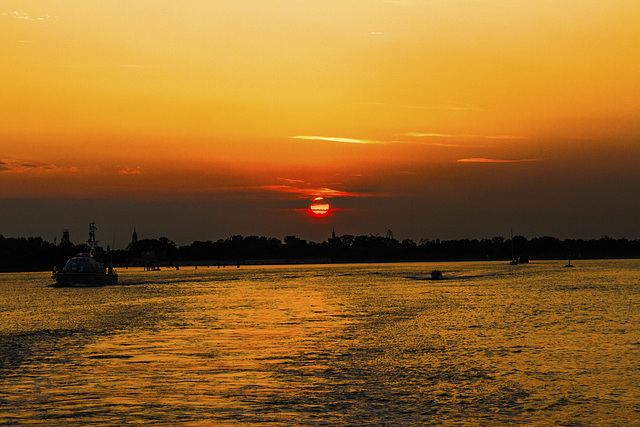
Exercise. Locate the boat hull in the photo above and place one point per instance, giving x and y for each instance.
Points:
(84, 279)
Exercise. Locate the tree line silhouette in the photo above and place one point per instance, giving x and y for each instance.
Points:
(35, 254)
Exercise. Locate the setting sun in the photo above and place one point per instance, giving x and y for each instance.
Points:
(319, 209)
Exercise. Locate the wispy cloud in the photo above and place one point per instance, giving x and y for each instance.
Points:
(483, 160)
(452, 145)
(470, 136)
(130, 171)
(452, 106)
(338, 139)
(309, 192)
(21, 166)
(124, 66)
(292, 181)
(431, 138)
(18, 14)
(446, 107)
(429, 135)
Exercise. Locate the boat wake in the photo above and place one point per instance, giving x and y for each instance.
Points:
(449, 277)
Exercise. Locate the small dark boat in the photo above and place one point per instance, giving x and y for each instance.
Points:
(436, 275)
(84, 270)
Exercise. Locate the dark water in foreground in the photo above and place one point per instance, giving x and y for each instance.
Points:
(361, 345)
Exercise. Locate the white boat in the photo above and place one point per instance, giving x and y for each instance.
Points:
(84, 270)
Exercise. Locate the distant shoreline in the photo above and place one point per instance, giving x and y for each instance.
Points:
(311, 261)
(35, 254)
(327, 261)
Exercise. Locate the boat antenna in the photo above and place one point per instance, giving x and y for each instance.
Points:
(92, 238)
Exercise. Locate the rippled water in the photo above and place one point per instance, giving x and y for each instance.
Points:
(327, 345)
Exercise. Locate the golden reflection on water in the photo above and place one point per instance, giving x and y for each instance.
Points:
(220, 347)
(331, 345)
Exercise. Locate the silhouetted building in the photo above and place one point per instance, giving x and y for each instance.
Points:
(65, 238)
(134, 237)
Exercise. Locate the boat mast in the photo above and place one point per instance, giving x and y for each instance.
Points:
(93, 243)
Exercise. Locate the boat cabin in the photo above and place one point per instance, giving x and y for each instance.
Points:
(84, 263)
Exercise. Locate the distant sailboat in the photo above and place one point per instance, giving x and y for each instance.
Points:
(568, 265)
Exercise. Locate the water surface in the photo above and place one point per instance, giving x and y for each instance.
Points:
(377, 344)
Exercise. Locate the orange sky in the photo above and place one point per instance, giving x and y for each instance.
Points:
(237, 99)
